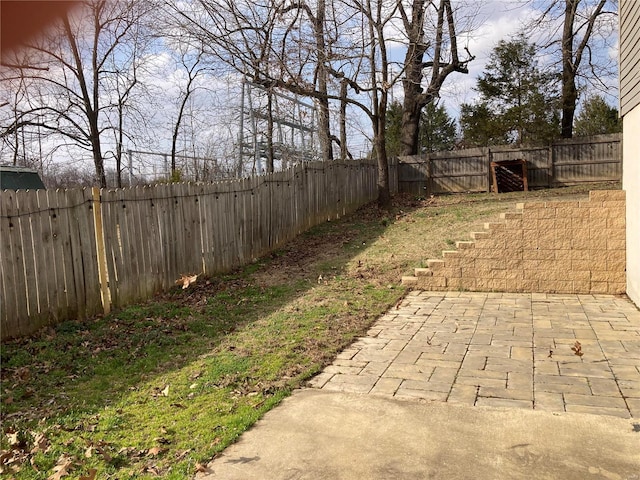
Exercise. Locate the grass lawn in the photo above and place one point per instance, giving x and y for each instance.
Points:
(160, 388)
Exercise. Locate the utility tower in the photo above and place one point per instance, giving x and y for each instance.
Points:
(294, 134)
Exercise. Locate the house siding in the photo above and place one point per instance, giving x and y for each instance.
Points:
(629, 55)
(630, 110)
(631, 184)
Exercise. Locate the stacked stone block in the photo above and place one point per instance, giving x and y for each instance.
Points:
(546, 247)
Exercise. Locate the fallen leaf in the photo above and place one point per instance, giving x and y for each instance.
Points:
(577, 349)
(41, 444)
(155, 451)
(62, 468)
(181, 455)
(22, 373)
(162, 440)
(126, 451)
(151, 469)
(178, 405)
(201, 468)
(186, 280)
(90, 476)
(8, 400)
(165, 392)
(32, 461)
(13, 439)
(98, 447)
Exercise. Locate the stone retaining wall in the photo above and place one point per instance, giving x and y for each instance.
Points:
(546, 247)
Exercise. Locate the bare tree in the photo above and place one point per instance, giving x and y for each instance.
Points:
(574, 26)
(70, 66)
(442, 59)
(127, 93)
(335, 52)
(190, 62)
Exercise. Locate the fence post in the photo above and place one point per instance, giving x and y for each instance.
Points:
(550, 172)
(489, 173)
(429, 176)
(101, 251)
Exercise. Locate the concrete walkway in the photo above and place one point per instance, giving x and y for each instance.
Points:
(464, 385)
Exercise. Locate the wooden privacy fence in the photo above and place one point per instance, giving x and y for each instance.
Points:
(76, 253)
(571, 161)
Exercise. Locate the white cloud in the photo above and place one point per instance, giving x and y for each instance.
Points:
(498, 20)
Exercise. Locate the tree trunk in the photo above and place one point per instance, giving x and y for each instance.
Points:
(384, 193)
(379, 142)
(323, 102)
(270, 149)
(119, 146)
(98, 161)
(415, 98)
(343, 120)
(410, 131)
(569, 91)
(413, 62)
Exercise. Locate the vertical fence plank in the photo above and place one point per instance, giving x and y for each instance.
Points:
(65, 215)
(163, 211)
(42, 243)
(48, 250)
(58, 231)
(11, 313)
(101, 252)
(208, 205)
(153, 199)
(75, 212)
(111, 243)
(18, 257)
(29, 267)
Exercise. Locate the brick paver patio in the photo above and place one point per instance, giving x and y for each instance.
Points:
(500, 349)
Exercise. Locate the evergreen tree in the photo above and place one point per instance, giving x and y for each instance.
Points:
(518, 100)
(394, 127)
(597, 117)
(437, 129)
(480, 126)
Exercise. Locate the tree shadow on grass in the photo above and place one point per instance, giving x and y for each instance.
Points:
(232, 344)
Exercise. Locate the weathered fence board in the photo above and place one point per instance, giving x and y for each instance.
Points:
(586, 159)
(51, 254)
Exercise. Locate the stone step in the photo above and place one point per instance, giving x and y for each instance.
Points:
(511, 216)
(423, 272)
(480, 235)
(490, 226)
(424, 283)
(435, 263)
(432, 276)
(409, 281)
